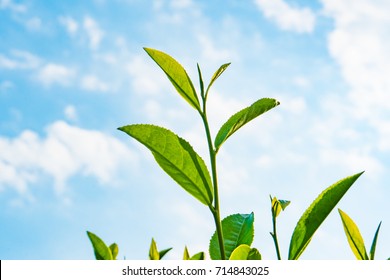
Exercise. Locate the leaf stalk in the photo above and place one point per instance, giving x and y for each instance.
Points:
(213, 161)
(275, 236)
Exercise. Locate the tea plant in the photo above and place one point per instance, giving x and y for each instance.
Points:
(234, 234)
(101, 250)
(355, 239)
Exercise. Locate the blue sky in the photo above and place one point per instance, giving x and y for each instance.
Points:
(71, 72)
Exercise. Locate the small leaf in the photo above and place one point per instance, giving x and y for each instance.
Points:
(254, 254)
(177, 158)
(240, 253)
(284, 203)
(354, 237)
(177, 75)
(153, 251)
(242, 117)
(198, 257)
(317, 212)
(216, 75)
(162, 253)
(102, 252)
(114, 250)
(244, 252)
(237, 229)
(373, 245)
(278, 205)
(186, 254)
(201, 84)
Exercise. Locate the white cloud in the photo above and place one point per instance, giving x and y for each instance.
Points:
(146, 77)
(301, 82)
(53, 73)
(9, 176)
(301, 20)
(70, 24)
(9, 4)
(296, 105)
(19, 60)
(181, 4)
(353, 160)
(71, 113)
(359, 43)
(210, 52)
(92, 83)
(65, 152)
(175, 12)
(94, 33)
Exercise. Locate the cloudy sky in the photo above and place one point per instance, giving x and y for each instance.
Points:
(72, 72)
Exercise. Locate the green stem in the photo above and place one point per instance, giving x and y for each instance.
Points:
(275, 237)
(214, 210)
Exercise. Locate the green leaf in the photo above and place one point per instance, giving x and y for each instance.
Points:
(278, 205)
(177, 158)
(244, 252)
(186, 254)
(216, 75)
(114, 250)
(102, 252)
(198, 257)
(254, 254)
(162, 253)
(177, 75)
(373, 245)
(317, 212)
(237, 229)
(153, 251)
(354, 237)
(201, 84)
(242, 117)
(284, 203)
(240, 253)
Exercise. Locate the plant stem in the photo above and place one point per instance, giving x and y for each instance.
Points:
(275, 237)
(214, 210)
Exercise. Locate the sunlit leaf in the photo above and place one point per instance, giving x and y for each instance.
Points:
(373, 245)
(242, 117)
(317, 212)
(186, 254)
(240, 253)
(177, 75)
(153, 251)
(216, 75)
(244, 252)
(278, 205)
(355, 239)
(197, 257)
(102, 252)
(237, 229)
(114, 250)
(177, 158)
